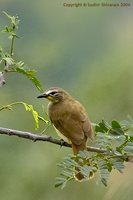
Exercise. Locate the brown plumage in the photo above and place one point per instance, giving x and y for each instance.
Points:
(69, 118)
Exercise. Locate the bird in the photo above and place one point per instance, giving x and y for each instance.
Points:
(70, 120)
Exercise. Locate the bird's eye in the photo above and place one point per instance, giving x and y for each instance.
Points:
(53, 93)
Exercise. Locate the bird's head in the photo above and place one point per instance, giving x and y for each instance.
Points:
(55, 94)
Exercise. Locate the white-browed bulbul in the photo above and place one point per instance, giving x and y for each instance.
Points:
(69, 118)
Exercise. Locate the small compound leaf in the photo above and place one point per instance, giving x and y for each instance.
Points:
(67, 173)
(115, 124)
(9, 61)
(117, 164)
(60, 181)
(86, 171)
(31, 75)
(102, 127)
(103, 169)
(128, 122)
(14, 20)
(116, 128)
(129, 148)
(34, 113)
(29, 108)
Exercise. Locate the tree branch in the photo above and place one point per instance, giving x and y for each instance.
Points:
(36, 137)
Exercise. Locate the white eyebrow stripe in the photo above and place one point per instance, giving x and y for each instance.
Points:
(49, 91)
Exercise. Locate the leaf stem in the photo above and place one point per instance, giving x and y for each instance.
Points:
(12, 45)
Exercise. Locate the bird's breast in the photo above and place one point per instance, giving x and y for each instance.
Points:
(57, 110)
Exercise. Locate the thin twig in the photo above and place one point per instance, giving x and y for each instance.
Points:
(12, 45)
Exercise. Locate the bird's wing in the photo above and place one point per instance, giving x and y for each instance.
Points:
(72, 122)
(70, 128)
(87, 128)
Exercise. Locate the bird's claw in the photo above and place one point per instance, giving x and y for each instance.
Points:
(61, 142)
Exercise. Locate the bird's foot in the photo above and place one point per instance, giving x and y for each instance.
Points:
(61, 142)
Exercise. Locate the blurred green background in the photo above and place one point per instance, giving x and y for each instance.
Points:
(87, 51)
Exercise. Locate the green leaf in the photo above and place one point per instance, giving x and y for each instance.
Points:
(130, 118)
(29, 108)
(68, 162)
(130, 132)
(7, 30)
(83, 154)
(103, 169)
(128, 123)
(30, 74)
(86, 170)
(102, 140)
(9, 60)
(129, 147)
(34, 113)
(67, 173)
(10, 64)
(115, 124)
(14, 20)
(104, 180)
(102, 127)
(116, 128)
(60, 181)
(118, 164)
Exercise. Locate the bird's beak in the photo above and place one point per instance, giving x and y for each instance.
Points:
(43, 95)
